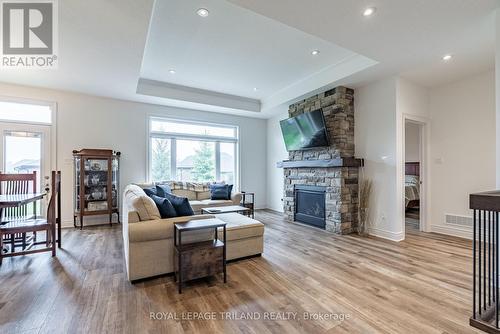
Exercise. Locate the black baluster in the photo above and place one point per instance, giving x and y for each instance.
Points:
(474, 269)
(489, 258)
(496, 275)
(484, 260)
(479, 261)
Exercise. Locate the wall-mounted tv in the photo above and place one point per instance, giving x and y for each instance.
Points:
(305, 131)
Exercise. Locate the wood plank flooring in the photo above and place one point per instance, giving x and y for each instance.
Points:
(422, 285)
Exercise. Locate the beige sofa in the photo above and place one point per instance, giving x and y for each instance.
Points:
(197, 194)
(148, 239)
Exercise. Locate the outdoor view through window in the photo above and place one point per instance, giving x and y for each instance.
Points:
(188, 151)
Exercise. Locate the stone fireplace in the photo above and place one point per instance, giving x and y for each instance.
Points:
(333, 170)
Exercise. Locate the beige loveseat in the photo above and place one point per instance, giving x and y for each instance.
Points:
(198, 194)
(148, 239)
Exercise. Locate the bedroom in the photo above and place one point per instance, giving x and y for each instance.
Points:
(412, 176)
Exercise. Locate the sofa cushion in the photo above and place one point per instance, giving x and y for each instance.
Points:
(138, 201)
(201, 195)
(161, 229)
(220, 191)
(181, 205)
(151, 191)
(162, 189)
(165, 207)
(240, 226)
(189, 194)
(209, 203)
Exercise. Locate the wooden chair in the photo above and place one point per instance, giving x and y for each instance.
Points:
(18, 184)
(48, 225)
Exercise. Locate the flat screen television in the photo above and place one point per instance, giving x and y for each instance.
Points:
(305, 131)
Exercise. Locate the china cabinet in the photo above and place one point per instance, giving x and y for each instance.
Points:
(96, 184)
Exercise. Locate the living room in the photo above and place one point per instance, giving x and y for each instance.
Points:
(268, 139)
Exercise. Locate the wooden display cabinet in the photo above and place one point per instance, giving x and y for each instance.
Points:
(96, 184)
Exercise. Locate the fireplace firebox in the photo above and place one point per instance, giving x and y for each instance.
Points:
(310, 205)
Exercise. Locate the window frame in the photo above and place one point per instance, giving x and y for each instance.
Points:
(19, 100)
(173, 137)
(53, 126)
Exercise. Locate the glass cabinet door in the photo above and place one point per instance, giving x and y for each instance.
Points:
(76, 195)
(115, 175)
(96, 184)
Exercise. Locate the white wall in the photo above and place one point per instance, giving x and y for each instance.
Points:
(375, 141)
(85, 121)
(276, 151)
(462, 147)
(412, 142)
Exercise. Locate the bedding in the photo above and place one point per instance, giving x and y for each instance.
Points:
(412, 189)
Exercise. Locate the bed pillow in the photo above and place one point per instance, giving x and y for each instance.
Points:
(181, 205)
(412, 180)
(165, 207)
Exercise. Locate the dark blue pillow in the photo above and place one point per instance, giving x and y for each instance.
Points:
(162, 189)
(150, 191)
(166, 208)
(220, 191)
(181, 205)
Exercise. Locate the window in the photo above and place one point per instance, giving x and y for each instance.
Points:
(25, 112)
(192, 151)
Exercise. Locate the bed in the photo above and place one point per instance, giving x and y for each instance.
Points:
(412, 185)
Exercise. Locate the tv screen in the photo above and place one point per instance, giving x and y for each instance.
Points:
(304, 131)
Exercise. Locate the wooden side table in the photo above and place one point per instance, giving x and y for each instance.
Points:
(248, 201)
(199, 259)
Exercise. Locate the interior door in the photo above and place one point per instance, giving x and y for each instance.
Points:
(26, 148)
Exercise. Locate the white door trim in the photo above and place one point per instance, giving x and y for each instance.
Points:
(424, 125)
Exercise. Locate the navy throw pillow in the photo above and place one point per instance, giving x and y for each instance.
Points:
(162, 189)
(150, 191)
(166, 208)
(181, 205)
(220, 191)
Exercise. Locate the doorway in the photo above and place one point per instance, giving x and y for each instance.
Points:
(27, 139)
(413, 161)
(26, 149)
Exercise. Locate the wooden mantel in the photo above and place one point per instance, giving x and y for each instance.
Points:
(330, 163)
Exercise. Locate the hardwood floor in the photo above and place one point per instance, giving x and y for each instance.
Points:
(421, 285)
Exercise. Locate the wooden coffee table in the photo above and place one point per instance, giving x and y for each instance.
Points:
(199, 259)
(227, 209)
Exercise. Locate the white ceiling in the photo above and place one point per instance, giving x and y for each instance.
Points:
(105, 48)
(406, 37)
(101, 44)
(231, 51)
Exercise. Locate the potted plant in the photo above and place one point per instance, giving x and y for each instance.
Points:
(365, 190)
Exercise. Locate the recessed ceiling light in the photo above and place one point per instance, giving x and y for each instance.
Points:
(369, 11)
(447, 57)
(315, 52)
(203, 12)
(255, 89)
(171, 71)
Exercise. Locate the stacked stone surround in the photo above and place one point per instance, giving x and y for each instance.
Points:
(341, 182)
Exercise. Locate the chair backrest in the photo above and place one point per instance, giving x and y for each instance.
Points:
(54, 208)
(11, 184)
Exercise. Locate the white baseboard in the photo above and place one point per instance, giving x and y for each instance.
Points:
(456, 231)
(389, 235)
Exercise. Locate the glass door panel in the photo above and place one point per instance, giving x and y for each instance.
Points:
(25, 149)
